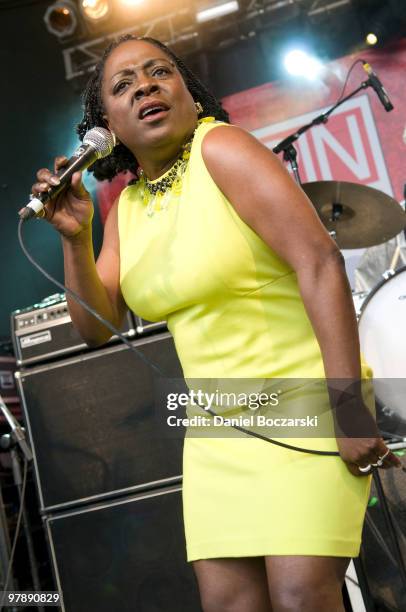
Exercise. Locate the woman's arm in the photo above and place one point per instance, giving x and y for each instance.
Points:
(265, 196)
(97, 283)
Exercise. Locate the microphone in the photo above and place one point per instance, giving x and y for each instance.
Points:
(97, 143)
(378, 87)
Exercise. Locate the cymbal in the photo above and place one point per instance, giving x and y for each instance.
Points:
(360, 216)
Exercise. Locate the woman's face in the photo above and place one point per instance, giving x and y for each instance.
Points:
(145, 98)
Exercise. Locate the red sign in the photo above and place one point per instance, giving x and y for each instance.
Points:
(345, 148)
(361, 142)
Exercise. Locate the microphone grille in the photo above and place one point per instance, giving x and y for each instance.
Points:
(102, 140)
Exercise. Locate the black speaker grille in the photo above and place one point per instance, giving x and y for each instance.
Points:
(92, 423)
(125, 557)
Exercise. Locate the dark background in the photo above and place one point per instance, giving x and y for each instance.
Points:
(39, 111)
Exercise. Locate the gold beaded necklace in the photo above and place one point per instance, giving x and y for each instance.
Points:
(157, 194)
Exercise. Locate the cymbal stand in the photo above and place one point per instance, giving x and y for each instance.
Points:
(286, 145)
(392, 266)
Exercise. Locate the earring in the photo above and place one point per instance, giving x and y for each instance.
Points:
(199, 108)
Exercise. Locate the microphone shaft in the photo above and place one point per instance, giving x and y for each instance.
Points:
(83, 157)
(74, 164)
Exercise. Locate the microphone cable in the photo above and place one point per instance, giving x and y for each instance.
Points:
(141, 356)
(351, 68)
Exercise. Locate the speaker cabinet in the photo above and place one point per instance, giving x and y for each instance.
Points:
(46, 333)
(93, 426)
(124, 556)
(377, 559)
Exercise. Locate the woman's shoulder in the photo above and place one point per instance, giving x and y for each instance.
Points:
(207, 124)
(219, 141)
(208, 127)
(232, 148)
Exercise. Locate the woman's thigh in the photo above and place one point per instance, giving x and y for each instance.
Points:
(306, 583)
(233, 584)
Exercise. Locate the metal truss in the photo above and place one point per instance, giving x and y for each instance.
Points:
(179, 29)
(318, 7)
(82, 58)
(309, 7)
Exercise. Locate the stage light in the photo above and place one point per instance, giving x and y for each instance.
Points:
(214, 11)
(300, 63)
(94, 10)
(60, 18)
(371, 38)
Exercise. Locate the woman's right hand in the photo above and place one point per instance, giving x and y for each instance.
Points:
(71, 211)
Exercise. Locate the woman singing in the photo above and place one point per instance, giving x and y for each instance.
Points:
(215, 237)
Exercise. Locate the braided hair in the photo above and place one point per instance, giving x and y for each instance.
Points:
(121, 159)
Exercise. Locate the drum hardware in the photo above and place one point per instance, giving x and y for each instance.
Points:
(388, 273)
(392, 266)
(356, 216)
(336, 211)
(383, 343)
(358, 297)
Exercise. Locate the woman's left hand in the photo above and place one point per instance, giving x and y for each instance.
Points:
(359, 441)
(361, 452)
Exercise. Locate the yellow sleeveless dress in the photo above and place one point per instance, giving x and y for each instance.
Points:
(234, 310)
